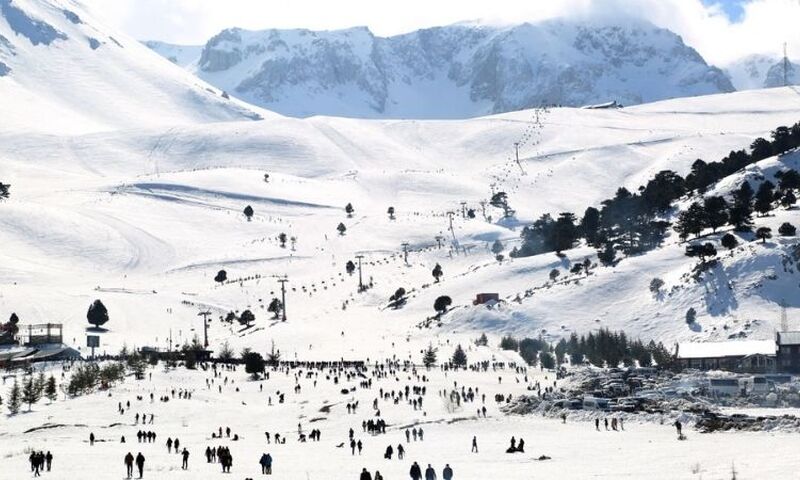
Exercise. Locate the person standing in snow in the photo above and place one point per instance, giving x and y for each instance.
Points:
(474, 444)
(365, 475)
(185, 455)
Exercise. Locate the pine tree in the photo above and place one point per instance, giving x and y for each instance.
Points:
(788, 199)
(497, 247)
(429, 356)
(248, 212)
(349, 210)
(764, 197)
(691, 221)
(716, 212)
(741, 213)
(14, 398)
(729, 241)
(787, 229)
(607, 255)
(40, 384)
(341, 228)
(764, 233)
(50, 389)
(437, 272)
(459, 357)
(29, 393)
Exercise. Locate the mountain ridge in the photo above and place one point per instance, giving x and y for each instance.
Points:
(455, 71)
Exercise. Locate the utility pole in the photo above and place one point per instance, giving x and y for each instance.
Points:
(205, 326)
(360, 282)
(439, 240)
(516, 151)
(405, 251)
(483, 208)
(463, 209)
(283, 281)
(452, 231)
(785, 67)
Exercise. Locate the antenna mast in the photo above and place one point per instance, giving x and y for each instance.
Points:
(785, 67)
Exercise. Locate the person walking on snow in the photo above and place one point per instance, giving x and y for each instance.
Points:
(129, 464)
(447, 473)
(430, 473)
(415, 472)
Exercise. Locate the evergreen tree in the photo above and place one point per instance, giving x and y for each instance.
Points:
(607, 255)
(482, 341)
(716, 212)
(509, 343)
(790, 180)
(14, 398)
(97, 314)
(787, 230)
(221, 277)
(225, 354)
(390, 211)
(350, 267)
(246, 318)
(275, 306)
(691, 315)
(248, 212)
(253, 363)
(554, 273)
(282, 239)
(429, 356)
(30, 394)
(349, 210)
(441, 304)
(741, 213)
(729, 241)
(437, 272)
(564, 233)
(764, 233)
(764, 197)
(547, 360)
(4, 190)
(50, 389)
(497, 247)
(590, 224)
(691, 221)
(788, 199)
(459, 357)
(341, 228)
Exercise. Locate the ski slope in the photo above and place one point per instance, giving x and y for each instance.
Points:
(144, 218)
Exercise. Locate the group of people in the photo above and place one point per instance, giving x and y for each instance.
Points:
(616, 424)
(430, 474)
(146, 437)
(40, 461)
(129, 461)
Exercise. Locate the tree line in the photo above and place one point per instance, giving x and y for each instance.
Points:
(635, 222)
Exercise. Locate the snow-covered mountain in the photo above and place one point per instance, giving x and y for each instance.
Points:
(58, 63)
(455, 71)
(762, 71)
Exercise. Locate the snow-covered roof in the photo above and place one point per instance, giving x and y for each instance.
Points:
(789, 338)
(726, 349)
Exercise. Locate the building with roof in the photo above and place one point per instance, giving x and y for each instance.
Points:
(755, 356)
(788, 346)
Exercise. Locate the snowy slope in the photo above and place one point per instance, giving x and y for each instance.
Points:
(455, 71)
(58, 63)
(144, 219)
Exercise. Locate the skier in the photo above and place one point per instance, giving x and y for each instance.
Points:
(401, 452)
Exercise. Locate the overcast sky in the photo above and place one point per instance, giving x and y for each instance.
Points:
(721, 30)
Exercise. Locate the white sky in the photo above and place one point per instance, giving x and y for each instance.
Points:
(765, 24)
